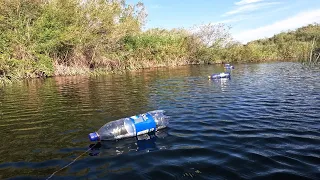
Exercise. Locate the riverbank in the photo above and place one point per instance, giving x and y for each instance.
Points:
(62, 70)
(42, 39)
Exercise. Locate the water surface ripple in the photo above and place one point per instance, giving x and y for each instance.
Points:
(263, 123)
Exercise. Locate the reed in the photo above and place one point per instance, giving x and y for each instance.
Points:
(42, 38)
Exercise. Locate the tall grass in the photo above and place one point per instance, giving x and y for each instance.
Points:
(293, 45)
(41, 38)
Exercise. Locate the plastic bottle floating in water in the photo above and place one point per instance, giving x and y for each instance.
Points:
(131, 126)
(228, 66)
(140, 143)
(219, 76)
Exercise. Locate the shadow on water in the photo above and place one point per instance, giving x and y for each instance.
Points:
(144, 143)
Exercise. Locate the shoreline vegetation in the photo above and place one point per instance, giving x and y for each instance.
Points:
(44, 38)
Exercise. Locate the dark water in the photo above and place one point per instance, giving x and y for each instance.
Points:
(263, 123)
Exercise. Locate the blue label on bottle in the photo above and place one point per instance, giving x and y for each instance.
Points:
(144, 122)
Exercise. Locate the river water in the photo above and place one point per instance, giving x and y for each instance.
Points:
(263, 123)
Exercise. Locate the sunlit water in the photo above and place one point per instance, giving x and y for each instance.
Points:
(263, 123)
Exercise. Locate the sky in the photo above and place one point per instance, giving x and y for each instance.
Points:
(248, 19)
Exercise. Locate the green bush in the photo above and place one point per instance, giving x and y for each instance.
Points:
(39, 37)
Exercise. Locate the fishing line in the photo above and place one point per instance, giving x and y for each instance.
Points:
(71, 162)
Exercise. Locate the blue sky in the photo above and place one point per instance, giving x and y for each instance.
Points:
(249, 19)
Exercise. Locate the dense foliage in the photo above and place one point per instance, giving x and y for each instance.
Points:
(41, 38)
(301, 44)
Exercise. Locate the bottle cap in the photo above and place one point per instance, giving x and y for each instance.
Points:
(94, 136)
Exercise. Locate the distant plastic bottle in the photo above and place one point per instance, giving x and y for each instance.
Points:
(228, 66)
(220, 75)
(131, 126)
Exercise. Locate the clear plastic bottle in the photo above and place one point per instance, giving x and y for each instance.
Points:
(228, 66)
(131, 126)
(219, 76)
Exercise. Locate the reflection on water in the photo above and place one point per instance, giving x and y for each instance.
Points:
(263, 123)
(144, 142)
(221, 84)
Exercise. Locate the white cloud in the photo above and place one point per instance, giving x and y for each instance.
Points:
(250, 8)
(234, 19)
(155, 6)
(243, 2)
(291, 23)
